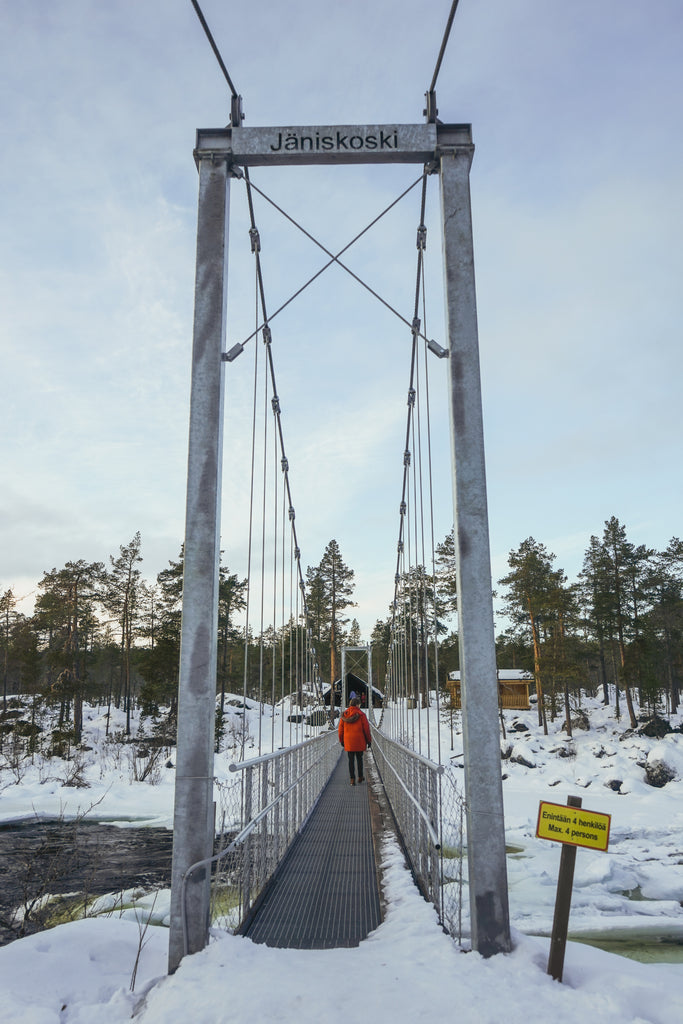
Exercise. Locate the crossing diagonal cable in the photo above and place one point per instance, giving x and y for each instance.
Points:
(333, 258)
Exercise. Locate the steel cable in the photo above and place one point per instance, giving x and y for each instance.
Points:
(333, 258)
(215, 49)
(444, 43)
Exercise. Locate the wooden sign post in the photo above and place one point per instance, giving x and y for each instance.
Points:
(572, 827)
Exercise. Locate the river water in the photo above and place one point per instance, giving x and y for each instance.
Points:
(39, 856)
(93, 858)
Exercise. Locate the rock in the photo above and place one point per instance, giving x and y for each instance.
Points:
(27, 728)
(521, 756)
(658, 773)
(317, 718)
(614, 784)
(505, 750)
(579, 721)
(656, 727)
(519, 727)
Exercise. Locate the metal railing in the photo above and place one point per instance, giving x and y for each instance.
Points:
(428, 806)
(260, 813)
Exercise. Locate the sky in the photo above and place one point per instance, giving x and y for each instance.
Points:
(577, 224)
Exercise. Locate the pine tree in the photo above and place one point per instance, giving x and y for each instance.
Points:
(596, 601)
(380, 640)
(64, 611)
(665, 619)
(534, 587)
(619, 565)
(8, 603)
(121, 593)
(231, 599)
(446, 574)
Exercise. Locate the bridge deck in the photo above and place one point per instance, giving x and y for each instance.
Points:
(325, 893)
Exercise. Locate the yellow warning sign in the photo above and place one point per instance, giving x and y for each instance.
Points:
(573, 825)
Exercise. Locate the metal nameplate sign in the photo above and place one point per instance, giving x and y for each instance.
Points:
(322, 144)
(573, 825)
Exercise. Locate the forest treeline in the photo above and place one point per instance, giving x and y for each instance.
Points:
(617, 630)
(101, 633)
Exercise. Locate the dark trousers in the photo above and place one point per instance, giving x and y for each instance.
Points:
(358, 755)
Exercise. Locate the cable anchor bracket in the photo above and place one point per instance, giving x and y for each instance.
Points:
(236, 112)
(235, 351)
(431, 110)
(434, 347)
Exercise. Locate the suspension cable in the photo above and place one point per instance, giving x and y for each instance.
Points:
(435, 585)
(263, 325)
(444, 43)
(215, 49)
(414, 625)
(250, 545)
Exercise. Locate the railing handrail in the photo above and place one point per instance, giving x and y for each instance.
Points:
(438, 768)
(251, 824)
(430, 828)
(238, 766)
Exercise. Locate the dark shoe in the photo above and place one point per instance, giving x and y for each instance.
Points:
(361, 779)
(353, 782)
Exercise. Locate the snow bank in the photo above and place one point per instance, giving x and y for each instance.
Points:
(407, 970)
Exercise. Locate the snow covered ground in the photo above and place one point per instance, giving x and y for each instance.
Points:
(407, 969)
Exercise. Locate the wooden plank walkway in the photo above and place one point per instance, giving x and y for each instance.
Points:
(325, 893)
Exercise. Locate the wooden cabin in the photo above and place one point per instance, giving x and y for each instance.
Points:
(513, 688)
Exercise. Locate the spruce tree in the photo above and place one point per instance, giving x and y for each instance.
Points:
(330, 591)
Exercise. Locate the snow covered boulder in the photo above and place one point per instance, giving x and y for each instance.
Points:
(664, 762)
(656, 727)
(579, 721)
(521, 755)
(658, 773)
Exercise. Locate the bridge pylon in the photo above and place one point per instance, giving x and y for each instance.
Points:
(219, 153)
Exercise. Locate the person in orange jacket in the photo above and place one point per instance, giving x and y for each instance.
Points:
(354, 736)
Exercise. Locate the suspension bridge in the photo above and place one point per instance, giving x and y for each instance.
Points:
(288, 853)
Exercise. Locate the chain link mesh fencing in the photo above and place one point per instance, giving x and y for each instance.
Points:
(429, 807)
(259, 813)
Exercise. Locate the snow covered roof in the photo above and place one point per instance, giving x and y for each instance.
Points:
(504, 674)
